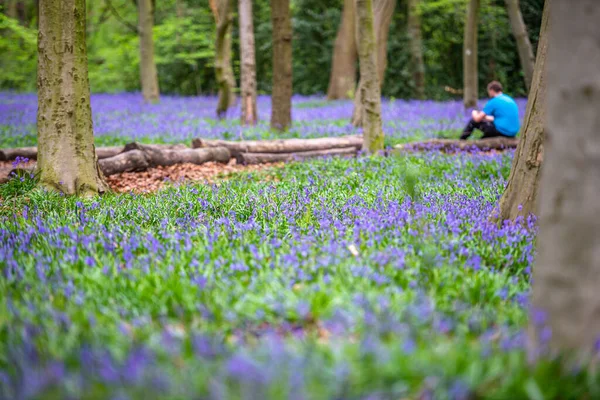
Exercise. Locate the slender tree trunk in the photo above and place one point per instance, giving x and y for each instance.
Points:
(248, 79)
(222, 10)
(523, 44)
(342, 81)
(370, 91)
(520, 196)
(470, 58)
(148, 74)
(10, 8)
(281, 114)
(416, 48)
(567, 270)
(383, 11)
(66, 155)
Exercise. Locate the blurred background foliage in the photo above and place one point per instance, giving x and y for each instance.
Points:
(184, 41)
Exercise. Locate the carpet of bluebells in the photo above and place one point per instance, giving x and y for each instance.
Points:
(360, 278)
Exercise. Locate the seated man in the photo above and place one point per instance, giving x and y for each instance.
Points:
(500, 116)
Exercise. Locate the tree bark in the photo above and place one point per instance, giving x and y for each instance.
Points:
(281, 99)
(248, 79)
(520, 196)
(148, 74)
(566, 276)
(416, 48)
(261, 158)
(67, 159)
(10, 8)
(383, 10)
(370, 92)
(342, 81)
(222, 10)
(450, 145)
(141, 157)
(470, 57)
(522, 37)
(282, 145)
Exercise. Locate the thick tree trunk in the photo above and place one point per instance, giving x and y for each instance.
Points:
(370, 92)
(520, 196)
(450, 145)
(342, 81)
(148, 74)
(383, 10)
(222, 10)
(416, 48)
(470, 58)
(566, 276)
(282, 145)
(281, 99)
(261, 158)
(248, 79)
(523, 43)
(67, 159)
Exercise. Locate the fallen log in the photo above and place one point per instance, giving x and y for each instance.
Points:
(260, 158)
(147, 157)
(31, 152)
(450, 145)
(130, 161)
(11, 154)
(281, 145)
(109, 151)
(159, 147)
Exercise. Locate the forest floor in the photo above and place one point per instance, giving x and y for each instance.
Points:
(342, 278)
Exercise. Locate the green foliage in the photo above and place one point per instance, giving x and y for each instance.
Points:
(18, 60)
(184, 47)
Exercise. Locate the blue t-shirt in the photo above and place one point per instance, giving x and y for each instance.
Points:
(506, 114)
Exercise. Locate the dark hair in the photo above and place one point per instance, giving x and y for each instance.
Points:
(495, 86)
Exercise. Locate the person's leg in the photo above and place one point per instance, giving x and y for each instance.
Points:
(472, 125)
(489, 130)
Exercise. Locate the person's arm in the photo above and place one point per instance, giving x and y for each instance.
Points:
(488, 111)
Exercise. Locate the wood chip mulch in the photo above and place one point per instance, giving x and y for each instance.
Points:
(155, 179)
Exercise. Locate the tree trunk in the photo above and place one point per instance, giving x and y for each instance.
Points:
(451, 145)
(248, 79)
(261, 158)
(383, 10)
(148, 74)
(370, 92)
(523, 44)
(416, 48)
(567, 270)
(10, 8)
(67, 158)
(342, 81)
(281, 145)
(520, 196)
(470, 70)
(281, 99)
(222, 10)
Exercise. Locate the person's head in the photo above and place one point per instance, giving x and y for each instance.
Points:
(494, 88)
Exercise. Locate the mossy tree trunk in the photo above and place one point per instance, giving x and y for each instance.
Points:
(566, 277)
(470, 56)
(370, 92)
(520, 196)
(281, 99)
(416, 48)
(342, 81)
(522, 37)
(383, 10)
(223, 13)
(10, 8)
(66, 155)
(148, 74)
(248, 78)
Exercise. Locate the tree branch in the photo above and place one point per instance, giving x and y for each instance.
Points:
(132, 27)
